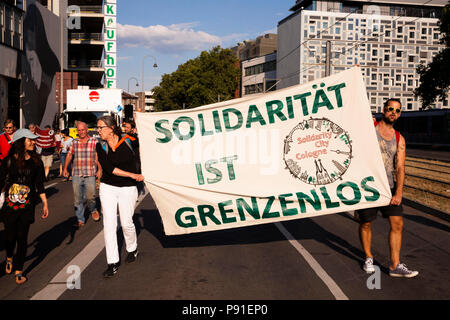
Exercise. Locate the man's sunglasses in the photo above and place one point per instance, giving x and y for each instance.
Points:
(396, 110)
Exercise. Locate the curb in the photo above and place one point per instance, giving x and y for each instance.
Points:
(431, 211)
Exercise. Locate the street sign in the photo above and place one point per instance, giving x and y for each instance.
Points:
(110, 63)
(94, 96)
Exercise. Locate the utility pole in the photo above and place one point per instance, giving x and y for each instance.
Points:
(61, 62)
(328, 60)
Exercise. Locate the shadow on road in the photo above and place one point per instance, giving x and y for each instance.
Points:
(50, 240)
(427, 222)
(301, 229)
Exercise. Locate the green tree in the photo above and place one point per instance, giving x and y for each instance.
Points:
(199, 81)
(435, 77)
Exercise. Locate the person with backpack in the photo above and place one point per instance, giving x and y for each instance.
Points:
(393, 151)
(117, 189)
(46, 145)
(6, 138)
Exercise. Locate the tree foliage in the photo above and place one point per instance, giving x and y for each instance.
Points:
(435, 77)
(199, 81)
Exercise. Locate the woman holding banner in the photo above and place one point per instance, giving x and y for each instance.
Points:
(117, 188)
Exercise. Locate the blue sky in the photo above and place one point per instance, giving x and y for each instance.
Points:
(174, 31)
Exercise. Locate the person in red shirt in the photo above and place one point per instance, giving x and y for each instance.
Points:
(9, 127)
(46, 144)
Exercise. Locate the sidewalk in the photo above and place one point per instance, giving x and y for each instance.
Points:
(428, 154)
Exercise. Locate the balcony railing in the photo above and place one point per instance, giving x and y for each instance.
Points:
(88, 9)
(85, 64)
(86, 36)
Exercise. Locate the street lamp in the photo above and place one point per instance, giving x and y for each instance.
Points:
(137, 83)
(154, 66)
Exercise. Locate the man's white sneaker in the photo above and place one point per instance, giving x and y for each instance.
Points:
(368, 266)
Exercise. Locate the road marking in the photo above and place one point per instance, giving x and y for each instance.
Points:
(58, 285)
(51, 185)
(329, 282)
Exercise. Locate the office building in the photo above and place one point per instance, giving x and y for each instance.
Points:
(259, 74)
(388, 39)
(146, 101)
(256, 63)
(29, 61)
(259, 47)
(11, 48)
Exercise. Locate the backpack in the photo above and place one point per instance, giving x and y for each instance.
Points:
(397, 134)
(125, 138)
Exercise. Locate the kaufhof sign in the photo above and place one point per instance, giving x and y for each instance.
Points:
(110, 61)
(300, 152)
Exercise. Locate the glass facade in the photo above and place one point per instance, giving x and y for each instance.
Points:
(11, 19)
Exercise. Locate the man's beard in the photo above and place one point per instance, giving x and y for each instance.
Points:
(388, 121)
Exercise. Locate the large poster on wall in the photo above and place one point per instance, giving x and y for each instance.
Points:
(40, 63)
(300, 152)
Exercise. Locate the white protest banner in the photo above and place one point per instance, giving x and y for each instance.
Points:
(299, 152)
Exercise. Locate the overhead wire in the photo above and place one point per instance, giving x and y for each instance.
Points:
(348, 50)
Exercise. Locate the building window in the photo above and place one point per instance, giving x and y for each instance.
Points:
(411, 58)
(260, 68)
(412, 34)
(338, 31)
(271, 85)
(11, 25)
(254, 88)
(374, 52)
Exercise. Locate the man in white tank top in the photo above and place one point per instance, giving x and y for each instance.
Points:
(393, 154)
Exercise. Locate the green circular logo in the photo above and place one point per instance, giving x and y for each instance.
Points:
(317, 151)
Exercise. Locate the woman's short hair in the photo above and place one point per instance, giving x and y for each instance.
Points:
(111, 122)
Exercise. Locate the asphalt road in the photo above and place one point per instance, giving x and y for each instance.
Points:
(254, 263)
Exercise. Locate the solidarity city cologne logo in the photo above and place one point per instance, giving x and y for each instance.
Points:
(318, 151)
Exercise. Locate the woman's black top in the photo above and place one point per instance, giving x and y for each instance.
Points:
(22, 187)
(123, 158)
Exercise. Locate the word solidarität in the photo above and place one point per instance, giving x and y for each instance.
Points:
(275, 110)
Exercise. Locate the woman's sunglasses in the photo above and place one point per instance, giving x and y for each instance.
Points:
(396, 110)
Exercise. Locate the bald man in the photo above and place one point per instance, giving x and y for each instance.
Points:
(85, 169)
